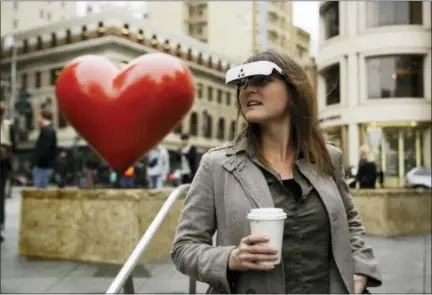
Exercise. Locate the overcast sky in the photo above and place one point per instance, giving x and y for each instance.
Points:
(306, 16)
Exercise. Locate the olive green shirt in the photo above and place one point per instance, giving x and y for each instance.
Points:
(306, 249)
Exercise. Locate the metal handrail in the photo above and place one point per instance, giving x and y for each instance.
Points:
(125, 274)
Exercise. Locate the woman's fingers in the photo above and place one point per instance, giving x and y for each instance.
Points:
(248, 257)
(261, 249)
(254, 266)
(254, 239)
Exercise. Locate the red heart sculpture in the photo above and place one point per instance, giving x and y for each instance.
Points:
(123, 114)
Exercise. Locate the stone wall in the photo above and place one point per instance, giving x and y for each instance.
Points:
(394, 212)
(102, 225)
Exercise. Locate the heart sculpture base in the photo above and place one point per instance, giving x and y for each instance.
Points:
(122, 114)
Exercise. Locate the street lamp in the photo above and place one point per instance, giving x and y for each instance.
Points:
(10, 43)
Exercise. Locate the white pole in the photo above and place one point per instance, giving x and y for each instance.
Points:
(263, 21)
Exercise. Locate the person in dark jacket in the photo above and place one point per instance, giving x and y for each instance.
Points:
(45, 151)
(188, 160)
(61, 169)
(366, 172)
(7, 147)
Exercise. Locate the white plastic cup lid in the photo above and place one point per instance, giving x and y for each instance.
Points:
(266, 214)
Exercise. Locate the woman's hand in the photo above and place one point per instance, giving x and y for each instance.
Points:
(248, 253)
(359, 284)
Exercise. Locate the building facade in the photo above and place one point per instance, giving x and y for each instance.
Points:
(232, 27)
(374, 82)
(19, 15)
(43, 51)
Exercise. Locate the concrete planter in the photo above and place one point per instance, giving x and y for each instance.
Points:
(394, 212)
(101, 225)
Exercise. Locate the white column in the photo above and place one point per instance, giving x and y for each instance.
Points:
(344, 78)
(427, 74)
(418, 148)
(362, 79)
(427, 14)
(353, 80)
(352, 20)
(353, 144)
(401, 153)
(343, 18)
(427, 147)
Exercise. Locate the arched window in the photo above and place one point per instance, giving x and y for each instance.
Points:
(232, 130)
(221, 129)
(193, 123)
(53, 39)
(207, 125)
(39, 42)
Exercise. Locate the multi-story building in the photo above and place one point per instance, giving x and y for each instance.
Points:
(18, 15)
(374, 81)
(237, 28)
(43, 51)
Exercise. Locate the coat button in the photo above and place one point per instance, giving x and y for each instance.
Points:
(250, 291)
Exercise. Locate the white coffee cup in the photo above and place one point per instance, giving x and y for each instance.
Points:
(269, 222)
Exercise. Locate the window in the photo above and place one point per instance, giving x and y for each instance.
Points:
(395, 76)
(15, 23)
(392, 151)
(409, 154)
(207, 125)
(53, 39)
(68, 36)
(41, 13)
(330, 15)
(219, 96)
(53, 75)
(301, 51)
(15, 5)
(89, 9)
(38, 80)
(200, 90)
(423, 171)
(25, 46)
(332, 84)
(193, 122)
(49, 16)
(221, 129)
(84, 32)
(39, 42)
(228, 98)
(210, 93)
(387, 13)
(232, 130)
(24, 81)
(62, 4)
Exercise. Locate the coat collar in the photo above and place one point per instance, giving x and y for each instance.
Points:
(254, 183)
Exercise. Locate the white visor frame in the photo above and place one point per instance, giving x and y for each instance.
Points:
(235, 74)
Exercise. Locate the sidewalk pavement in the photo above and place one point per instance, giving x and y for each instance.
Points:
(405, 264)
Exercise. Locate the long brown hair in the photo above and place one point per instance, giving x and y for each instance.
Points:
(306, 135)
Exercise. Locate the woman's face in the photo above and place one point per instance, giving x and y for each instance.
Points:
(261, 104)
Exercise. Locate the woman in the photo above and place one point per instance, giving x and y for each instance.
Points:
(280, 160)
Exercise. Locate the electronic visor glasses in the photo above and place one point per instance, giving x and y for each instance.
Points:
(256, 73)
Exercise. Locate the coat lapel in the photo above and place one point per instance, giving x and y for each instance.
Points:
(322, 184)
(251, 180)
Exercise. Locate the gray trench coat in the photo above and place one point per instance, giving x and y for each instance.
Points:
(218, 200)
